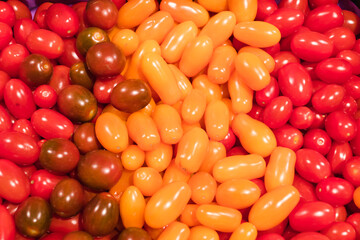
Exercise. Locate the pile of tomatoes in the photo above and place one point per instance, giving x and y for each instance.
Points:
(177, 119)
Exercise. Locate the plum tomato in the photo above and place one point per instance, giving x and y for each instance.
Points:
(103, 87)
(80, 75)
(342, 37)
(302, 117)
(11, 57)
(71, 54)
(353, 58)
(296, 4)
(338, 155)
(5, 119)
(45, 42)
(265, 95)
(281, 59)
(324, 18)
(20, 8)
(22, 29)
(7, 227)
(340, 230)
(101, 13)
(305, 188)
(328, 98)
(42, 183)
(340, 126)
(6, 35)
(287, 20)
(310, 235)
(265, 8)
(278, 112)
(354, 220)
(335, 191)
(289, 136)
(65, 225)
(7, 14)
(334, 70)
(351, 171)
(35, 70)
(134, 233)
(318, 140)
(60, 78)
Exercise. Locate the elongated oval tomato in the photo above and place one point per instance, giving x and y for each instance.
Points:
(246, 231)
(245, 11)
(221, 64)
(287, 20)
(167, 204)
(265, 57)
(273, 207)
(217, 120)
(45, 42)
(132, 206)
(175, 231)
(7, 227)
(240, 94)
(132, 13)
(324, 17)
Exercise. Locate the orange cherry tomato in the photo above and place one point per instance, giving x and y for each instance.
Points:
(214, 5)
(254, 135)
(252, 71)
(166, 205)
(142, 130)
(126, 40)
(240, 94)
(125, 181)
(246, 231)
(112, 31)
(160, 157)
(174, 173)
(111, 132)
(186, 10)
(215, 152)
(245, 10)
(182, 81)
(191, 150)
(155, 27)
(168, 122)
(203, 233)
(134, 12)
(211, 90)
(219, 27)
(356, 197)
(186, 126)
(188, 216)
(175, 231)
(160, 78)
(176, 40)
(193, 107)
(257, 33)
(203, 188)
(112, 109)
(217, 120)
(147, 180)
(280, 170)
(132, 157)
(228, 103)
(219, 218)
(196, 55)
(132, 207)
(237, 193)
(267, 59)
(273, 207)
(249, 166)
(149, 109)
(221, 64)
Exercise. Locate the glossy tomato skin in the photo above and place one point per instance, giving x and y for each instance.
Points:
(324, 18)
(50, 124)
(22, 29)
(340, 230)
(24, 126)
(264, 96)
(45, 42)
(103, 87)
(42, 183)
(15, 185)
(311, 216)
(21, 10)
(11, 57)
(80, 75)
(134, 233)
(60, 78)
(6, 35)
(310, 235)
(101, 13)
(342, 37)
(340, 126)
(62, 20)
(287, 20)
(89, 37)
(301, 117)
(328, 98)
(45, 96)
(296, 4)
(354, 220)
(85, 138)
(353, 58)
(335, 191)
(318, 140)
(18, 147)
(290, 137)
(334, 70)
(7, 14)
(7, 227)
(351, 171)
(35, 70)
(65, 225)
(278, 112)
(265, 8)
(5, 120)
(80, 235)
(71, 55)
(305, 188)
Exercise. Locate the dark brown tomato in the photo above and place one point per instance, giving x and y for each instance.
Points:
(101, 13)
(85, 138)
(33, 216)
(104, 86)
(59, 155)
(71, 55)
(67, 198)
(99, 170)
(77, 103)
(101, 215)
(89, 37)
(42, 183)
(35, 70)
(80, 75)
(130, 95)
(78, 235)
(134, 233)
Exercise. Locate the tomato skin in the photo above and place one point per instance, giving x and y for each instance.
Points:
(5, 120)
(65, 225)
(310, 235)
(328, 98)
(46, 43)
(287, 20)
(318, 140)
(278, 112)
(353, 58)
(335, 191)
(342, 37)
(295, 4)
(289, 137)
(340, 126)
(334, 70)
(62, 20)
(265, 95)
(22, 29)
(311, 216)
(350, 171)
(7, 227)
(301, 117)
(11, 57)
(324, 18)
(340, 230)
(71, 55)
(6, 35)
(265, 8)
(354, 220)
(305, 188)
(295, 83)
(7, 14)
(42, 183)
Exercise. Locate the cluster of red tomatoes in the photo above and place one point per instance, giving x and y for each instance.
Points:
(178, 119)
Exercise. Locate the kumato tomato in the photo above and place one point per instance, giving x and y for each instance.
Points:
(89, 37)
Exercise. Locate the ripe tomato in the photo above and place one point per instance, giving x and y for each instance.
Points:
(7, 227)
(65, 225)
(301, 117)
(7, 14)
(342, 37)
(287, 20)
(328, 98)
(43, 183)
(340, 126)
(22, 29)
(353, 58)
(334, 70)
(351, 171)
(290, 137)
(310, 235)
(318, 140)
(265, 8)
(340, 230)
(11, 57)
(45, 42)
(335, 191)
(278, 112)
(5, 120)
(265, 95)
(324, 17)
(305, 188)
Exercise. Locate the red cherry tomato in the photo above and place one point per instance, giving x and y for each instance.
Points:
(328, 98)
(21, 10)
(301, 117)
(342, 37)
(229, 140)
(103, 87)
(335, 191)
(305, 188)
(265, 8)
(318, 140)
(45, 96)
(353, 58)
(340, 230)
(24, 126)
(354, 220)
(340, 214)
(287, 20)
(6, 35)
(324, 17)
(7, 14)
(334, 70)
(65, 225)
(5, 120)
(11, 57)
(340, 126)
(43, 183)
(355, 142)
(338, 155)
(351, 171)
(22, 29)
(60, 78)
(7, 226)
(278, 112)
(270, 236)
(281, 59)
(265, 95)
(290, 137)
(45, 42)
(349, 106)
(295, 4)
(310, 235)
(71, 55)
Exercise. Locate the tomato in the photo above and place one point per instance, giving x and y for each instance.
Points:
(53, 236)
(295, 4)
(7, 228)
(342, 37)
(32, 218)
(11, 57)
(282, 58)
(42, 183)
(287, 20)
(288, 136)
(21, 10)
(351, 171)
(103, 87)
(349, 106)
(85, 139)
(340, 126)
(340, 230)
(277, 112)
(35, 70)
(318, 140)
(45, 42)
(51, 124)
(81, 235)
(295, 83)
(62, 20)
(335, 191)
(351, 21)
(265, 8)
(5, 120)
(203, 188)
(334, 70)
(301, 117)
(328, 98)
(90, 37)
(132, 206)
(22, 29)
(353, 58)
(8, 14)
(60, 78)
(265, 95)
(354, 220)
(305, 188)
(101, 14)
(45, 96)
(324, 18)
(312, 165)
(6, 34)
(64, 225)
(310, 235)
(71, 54)
(134, 233)
(101, 215)
(311, 46)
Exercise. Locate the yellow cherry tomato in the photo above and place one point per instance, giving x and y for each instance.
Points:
(280, 170)
(160, 78)
(267, 59)
(221, 64)
(166, 205)
(176, 40)
(142, 130)
(191, 150)
(126, 40)
(257, 33)
(147, 180)
(188, 216)
(132, 157)
(125, 181)
(212, 91)
(219, 27)
(203, 233)
(246, 231)
(203, 188)
(132, 206)
(134, 12)
(273, 207)
(240, 94)
(185, 10)
(168, 122)
(174, 173)
(111, 132)
(219, 218)
(160, 157)
(175, 231)
(215, 152)
(254, 135)
(252, 70)
(183, 82)
(356, 197)
(155, 27)
(193, 106)
(249, 166)
(237, 193)
(214, 5)
(112, 109)
(217, 120)
(244, 10)
(196, 55)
